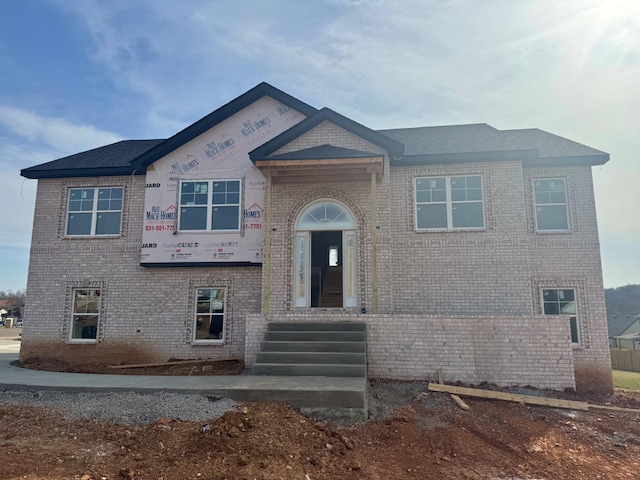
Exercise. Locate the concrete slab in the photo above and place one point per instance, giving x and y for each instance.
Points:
(330, 392)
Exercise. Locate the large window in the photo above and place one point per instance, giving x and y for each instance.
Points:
(210, 205)
(449, 203)
(563, 302)
(551, 204)
(94, 211)
(210, 315)
(85, 315)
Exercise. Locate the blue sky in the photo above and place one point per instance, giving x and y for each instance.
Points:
(75, 75)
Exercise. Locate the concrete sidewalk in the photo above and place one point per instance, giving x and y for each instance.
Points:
(329, 392)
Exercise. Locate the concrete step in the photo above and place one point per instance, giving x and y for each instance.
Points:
(322, 392)
(312, 357)
(317, 326)
(319, 336)
(354, 347)
(309, 369)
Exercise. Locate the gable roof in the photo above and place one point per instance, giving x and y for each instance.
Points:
(134, 156)
(482, 142)
(618, 323)
(264, 151)
(406, 146)
(219, 115)
(114, 159)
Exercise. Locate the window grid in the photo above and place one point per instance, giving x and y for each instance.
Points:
(210, 205)
(550, 198)
(449, 203)
(89, 214)
(85, 315)
(210, 315)
(562, 302)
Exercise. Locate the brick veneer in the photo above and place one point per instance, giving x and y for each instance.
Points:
(147, 313)
(467, 302)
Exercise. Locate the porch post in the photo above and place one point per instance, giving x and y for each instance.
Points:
(267, 253)
(374, 237)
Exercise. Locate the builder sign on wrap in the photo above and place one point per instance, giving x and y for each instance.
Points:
(204, 202)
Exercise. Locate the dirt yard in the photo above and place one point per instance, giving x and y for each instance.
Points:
(412, 434)
(426, 436)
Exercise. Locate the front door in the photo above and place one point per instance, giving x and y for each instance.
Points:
(325, 259)
(326, 269)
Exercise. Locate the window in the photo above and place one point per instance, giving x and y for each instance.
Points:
(210, 316)
(551, 204)
(94, 211)
(86, 314)
(210, 205)
(449, 203)
(562, 302)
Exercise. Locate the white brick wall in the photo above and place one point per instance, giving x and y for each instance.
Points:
(156, 301)
(470, 349)
(467, 302)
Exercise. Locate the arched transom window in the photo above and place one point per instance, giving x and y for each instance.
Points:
(326, 216)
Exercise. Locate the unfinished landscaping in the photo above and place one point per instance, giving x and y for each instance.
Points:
(411, 433)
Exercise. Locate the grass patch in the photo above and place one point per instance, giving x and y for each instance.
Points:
(628, 380)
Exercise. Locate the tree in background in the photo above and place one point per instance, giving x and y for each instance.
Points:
(10, 298)
(623, 299)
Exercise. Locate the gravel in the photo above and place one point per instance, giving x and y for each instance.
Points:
(126, 408)
(129, 408)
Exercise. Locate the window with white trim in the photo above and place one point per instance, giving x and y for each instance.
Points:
(562, 301)
(94, 211)
(85, 316)
(449, 203)
(210, 205)
(210, 315)
(551, 205)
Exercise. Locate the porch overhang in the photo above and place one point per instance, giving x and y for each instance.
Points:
(322, 163)
(322, 169)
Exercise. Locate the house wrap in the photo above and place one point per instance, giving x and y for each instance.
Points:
(463, 248)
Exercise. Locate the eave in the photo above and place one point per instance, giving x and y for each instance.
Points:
(322, 170)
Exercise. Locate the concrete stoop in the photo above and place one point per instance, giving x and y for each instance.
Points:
(329, 359)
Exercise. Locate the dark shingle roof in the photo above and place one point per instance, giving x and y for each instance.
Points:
(323, 152)
(406, 146)
(114, 159)
(617, 323)
(134, 156)
(264, 151)
(540, 146)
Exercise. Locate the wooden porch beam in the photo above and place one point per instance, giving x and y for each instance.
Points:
(267, 253)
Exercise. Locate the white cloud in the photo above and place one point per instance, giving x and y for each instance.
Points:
(58, 135)
(28, 139)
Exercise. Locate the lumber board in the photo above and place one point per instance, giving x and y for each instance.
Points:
(461, 403)
(510, 397)
(175, 362)
(613, 409)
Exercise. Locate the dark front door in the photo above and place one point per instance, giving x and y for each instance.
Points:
(326, 269)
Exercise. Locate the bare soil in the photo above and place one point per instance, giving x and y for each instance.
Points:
(413, 434)
(227, 367)
(426, 436)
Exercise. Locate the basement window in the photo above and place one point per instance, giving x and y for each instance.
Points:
(210, 315)
(86, 315)
(562, 301)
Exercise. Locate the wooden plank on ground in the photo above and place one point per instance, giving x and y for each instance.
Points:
(175, 362)
(461, 403)
(510, 397)
(613, 409)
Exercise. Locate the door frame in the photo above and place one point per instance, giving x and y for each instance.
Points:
(302, 257)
